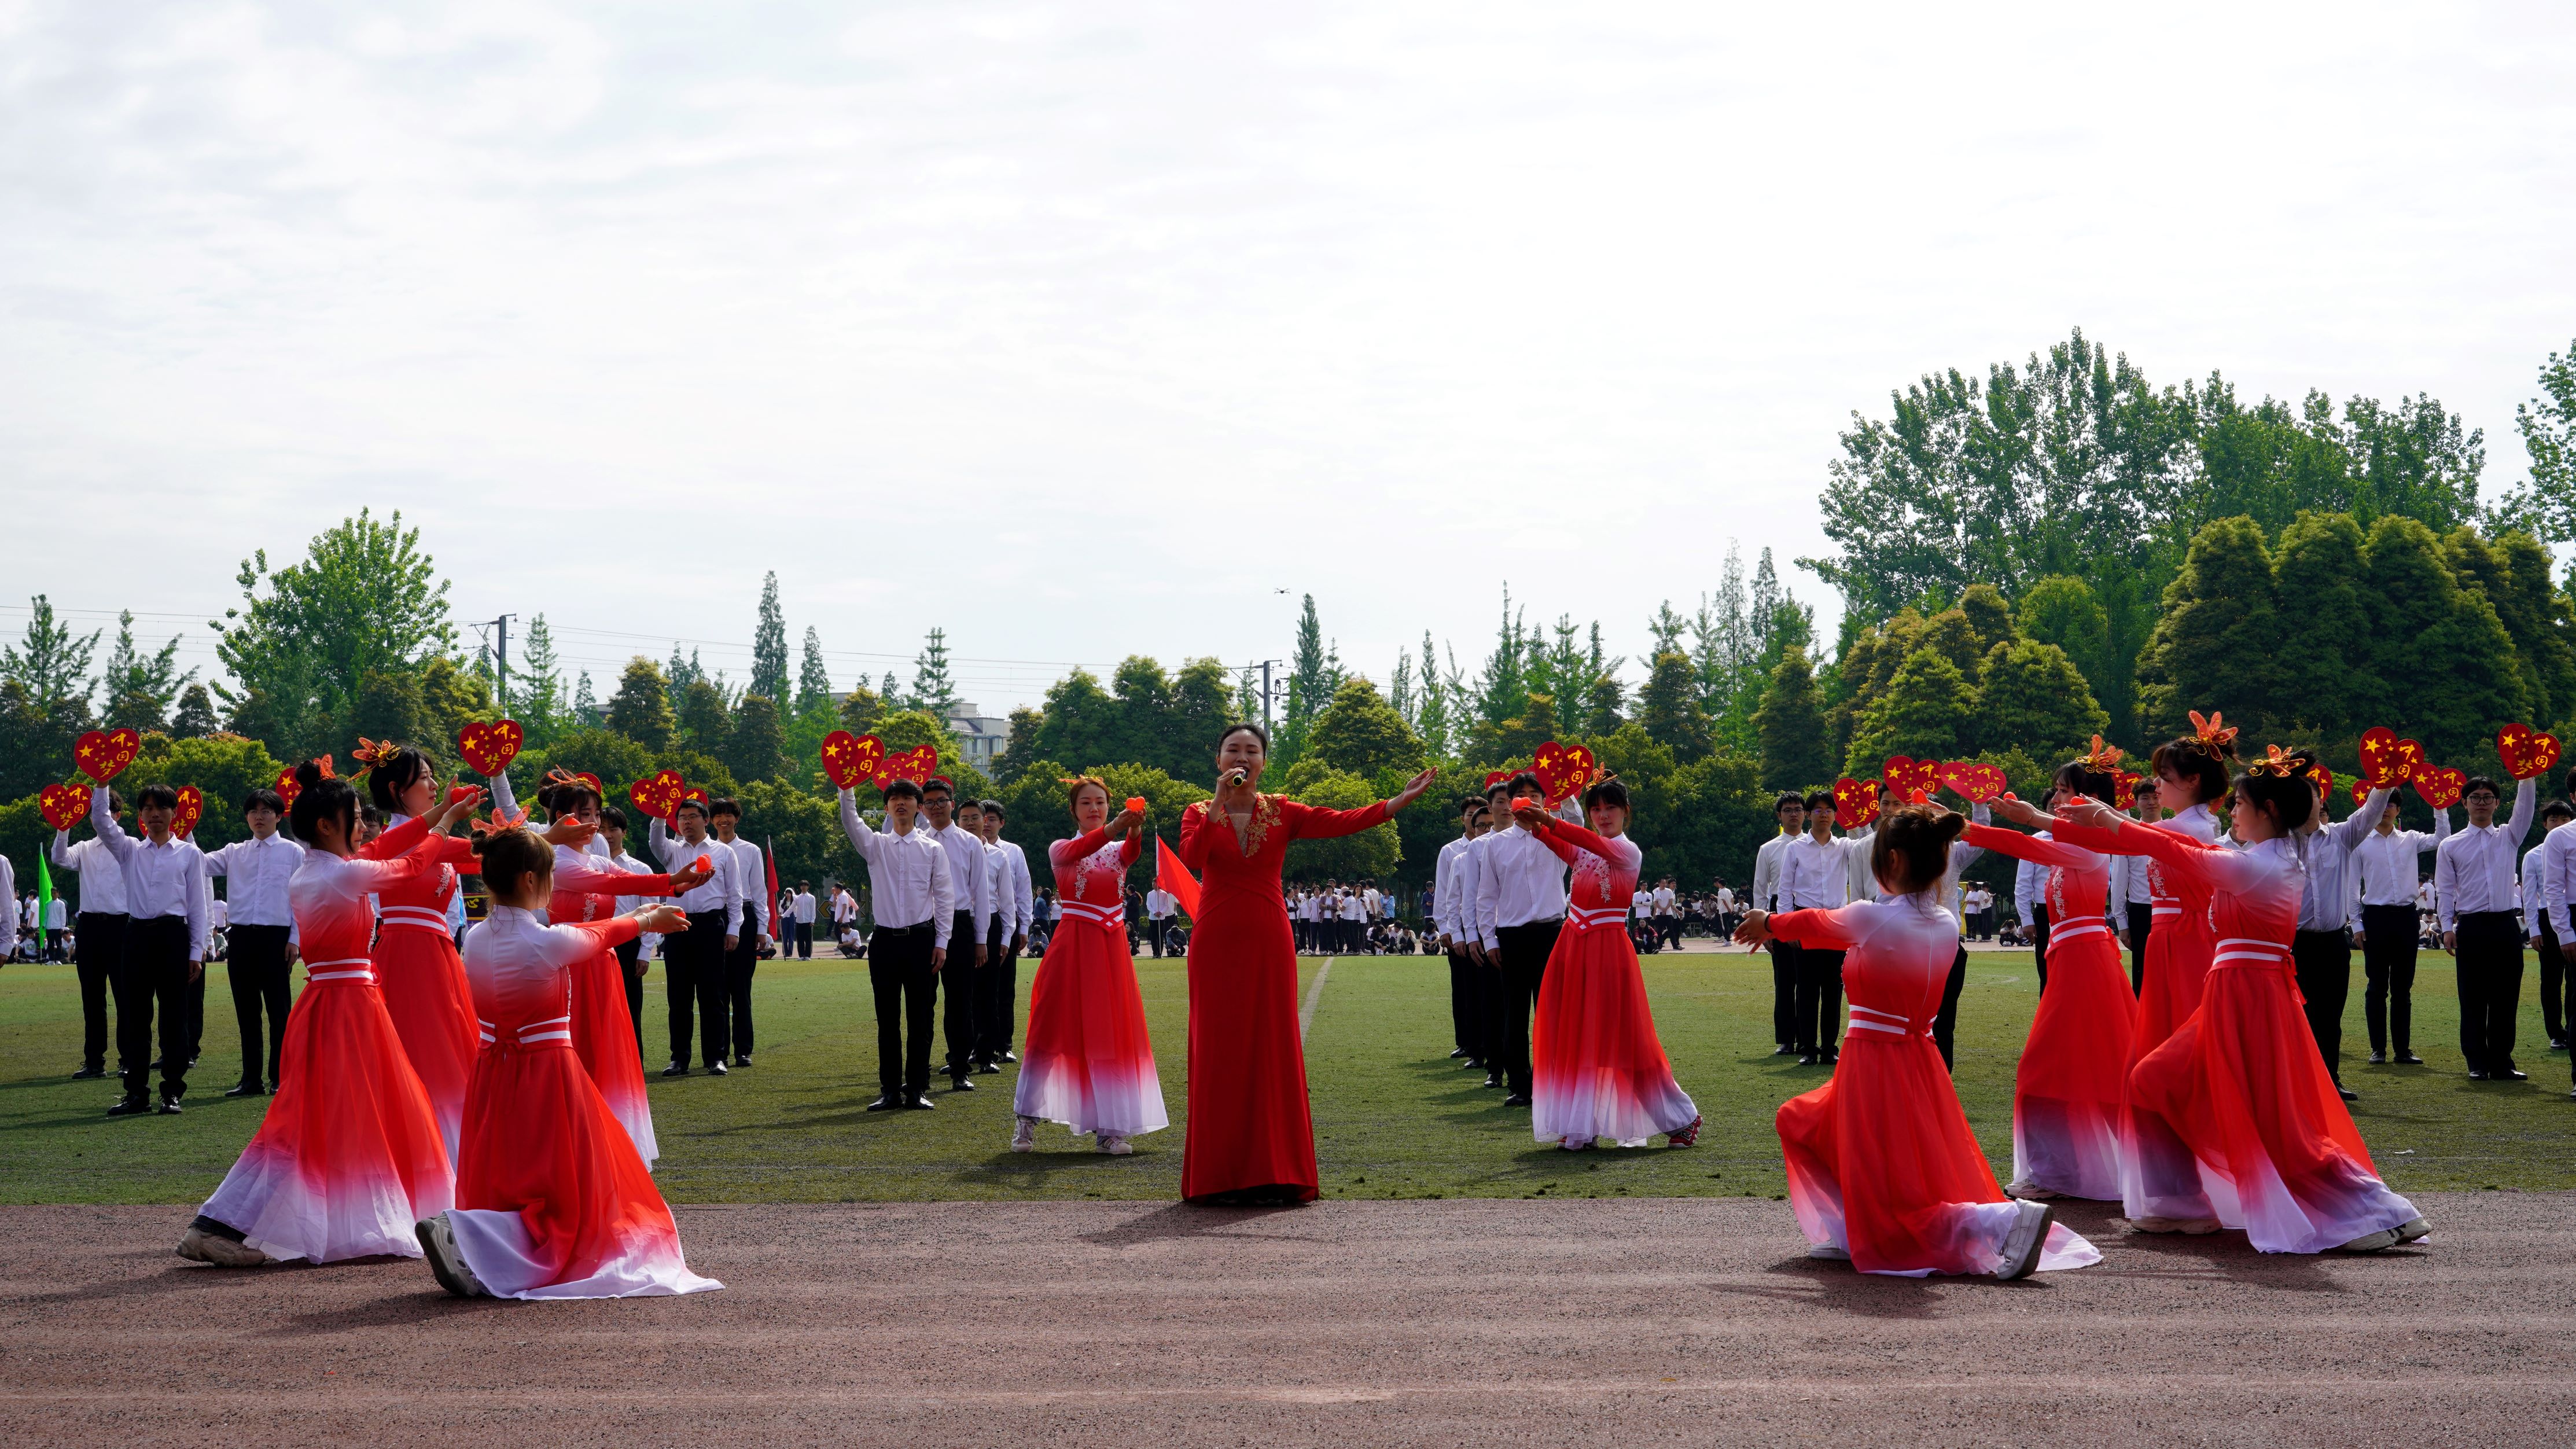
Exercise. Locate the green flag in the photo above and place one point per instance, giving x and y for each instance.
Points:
(44, 898)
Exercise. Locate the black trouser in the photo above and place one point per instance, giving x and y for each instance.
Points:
(1525, 950)
(630, 960)
(2142, 924)
(1466, 1007)
(257, 965)
(101, 946)
(2038, 944)
(957, 982)
(2554, 978)
(1945, 1024)
(739, 967)
(1670, 928)
(2388, 947)
(154, 975)
(997, 994)
(2490, 978)
(693, 976)
(2322, 961)
(1819, 1013)
(900, 972)
(1784, 992)
(804, 940)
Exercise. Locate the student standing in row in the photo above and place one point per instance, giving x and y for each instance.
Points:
(262, 935)
(997, 993)
(1815, 875)
(165, 946)
(1520, 909)
(914, 903)
(694, 961)
(2321, 952)
(1790, 811)
(953, 824)
(2392, 928)
(99, 950)
(2473, 883)
(742, 956)
(2543, 931)
(1466, 1007)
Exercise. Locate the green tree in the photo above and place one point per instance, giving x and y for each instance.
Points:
(50, 664)
(1791, 727)
(861, 709)
(543, 708)
(641, 708)
(813, 676)
(2536, 616)
(388, 707)
(225, 767)
(1950, 635)
(1309, 683)
(364, 598)
(1670, 710)
(196, 714)
(1359, 734)
(2063, 610)
(1988, 616)
(141, 687)
(932, 689)
(2035, 699)
(2545, 504)
(1928, 712)
(706, 722)
(2213, 647)
(452, 697)
(1372, 854)
(769, 644)
(800, 831)
(2444, 664)
(1014, 758)
(756, 745)
(2326, 672)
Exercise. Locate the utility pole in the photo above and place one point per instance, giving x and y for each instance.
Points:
(1266, 726)
(501, 659)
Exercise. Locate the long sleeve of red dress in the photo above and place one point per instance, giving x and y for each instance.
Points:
(2059, 850)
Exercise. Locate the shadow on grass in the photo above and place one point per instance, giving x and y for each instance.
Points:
(1183, 1221)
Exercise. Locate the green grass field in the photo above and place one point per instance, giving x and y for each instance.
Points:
(1394, 1117)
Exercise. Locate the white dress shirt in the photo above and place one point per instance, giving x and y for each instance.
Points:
(165, 878)
(629, 864)
(1521, 882)
(1158, 903)
(102, 880)
(966, 870)
(2532, 896)
(1766, 872)
(805, 907)
(752, 874)
(1444, 888)
(9, 917)
(720, 891)
(2388, 865)
(1018, 897)
(908, 873)
(1815, 875)
(2473, 871)
(256, 873)
(2325, 897)
(2557, 877)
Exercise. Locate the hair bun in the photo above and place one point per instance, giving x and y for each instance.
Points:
(310, 774)
(1950, 825)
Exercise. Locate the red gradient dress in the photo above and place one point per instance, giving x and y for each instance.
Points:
(349, 1155)
(1597, 1067)
(1088, 1062)
(2239, 1082)
(552, 1199)
(2160, 1178)
(2074, 1075)
(586, 888)
(417, 969)
(1249, 1126)
(1881, 1162)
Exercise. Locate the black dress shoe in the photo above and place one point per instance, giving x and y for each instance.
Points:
(960, 1084)
(987, 1069)
(1010, 1056)
(1460, 1052)
(2510, 1074)
(1806, 1059)
(2347, 1093)
(2406, 1058)
(169, 1107)
(130, 1107)
(1474, 1064)
(716, 1069)
(1517, 1099)
(1783, 1049)
(244, 1089)
(1828, 1058)
(918, 1102)
(890, 1102)
(2476, 1076)
(675, 1070)
(89, 1074)
(2379, 1059)
(1493, 1079)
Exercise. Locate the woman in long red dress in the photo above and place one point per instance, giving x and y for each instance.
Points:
(415, 957)
(348, 1154)
(1882, 1167)
(2073, 1078)
(2239, 1083)
(552, 1200)
(1250, 1137)
(2160, 1186)
(1598, 1070)
(1088, 1062)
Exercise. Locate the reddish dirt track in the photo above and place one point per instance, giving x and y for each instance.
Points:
(1492, 1323)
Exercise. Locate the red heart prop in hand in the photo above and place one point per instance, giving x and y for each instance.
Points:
(1561, 770)
(916, 765)
(1496, 777)
(2382, 763)
(1906, 776)
(1974, 782)
(1855, 802)
(2124, 794)
(849, 758)
(103, 754)
(2361, 792)
(488, 749)
(2526, 752)
(1137, 803)
(2321, 775)
(287, 786)
(191, 809)
(64, 805)
(2439, 785)
(2410, 758)
(657, 795)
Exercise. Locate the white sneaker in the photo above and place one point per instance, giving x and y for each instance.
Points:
(1025, 1135)
(1830, 1253)
(438, 1245)
(200, 1246)
(1115, 1145)
(2412, 1229)
(2029, 1234)
(2195, 1227)
(2380, 1241)
(2031, 1192)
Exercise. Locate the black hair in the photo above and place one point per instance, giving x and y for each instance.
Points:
(994, 807)
(509, 854)
(263, 798)
(1913, 846)
(161, 795)
(970, 804)
(1789, 799)
(1470, 802)
(368, 813)
(724, 805)
(611, 818)
(1608, 792)
(689, 802)
(2190, 758)
(563, 800)
(2481, 782)
(1821, 800)
(936, 783)
(395, 774)
(902, 787)
(1499, 787)
(1242, 727)
(319, 797)
(1525, 777)
(2558, 807)
(2293, 798)
(2075, 777)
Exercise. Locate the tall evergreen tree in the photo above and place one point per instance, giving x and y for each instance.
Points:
(1953, 637)
(1762, 608)
(756, 746)
(1791, 727)
(1670, 710)
(861, 710)
(1928, 712)
(641, 708)
(195, 718)
(683, 670)
(50, 664)
(1360, 734)
(813, 676)
(541, 709)
(1502, 690)
(141, 687)
(932, 689)
(1987, 615)
(2446, 669)
(2536, 615)
(2213, 647)
(1433, 720)
(2327, 671)
(769, 646)
(585, 704)
(705, 721)
(2035, 699)
(1309, 685)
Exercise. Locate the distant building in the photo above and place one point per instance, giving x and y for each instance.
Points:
(979, 735)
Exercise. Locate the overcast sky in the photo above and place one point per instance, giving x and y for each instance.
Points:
(1107, 328)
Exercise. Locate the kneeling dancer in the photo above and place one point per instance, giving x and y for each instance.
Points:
(1882, 1167)
(552, 1199)
(1090, 1064)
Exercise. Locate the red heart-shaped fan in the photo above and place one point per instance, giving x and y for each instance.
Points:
(1906, 776)
(2440, 785)
(64, 805)
(2382, 763)
(2321, 775)
(657, 795)
(2361, 792)
(488, 749)
(2526, 752)
(2124, 794)
(191, 809)
(102, 754)
(849, 759)
(916, 765)
(1496, 777)
(287, 786)
(1975, 782)
(1563, 770)
(1855, 802)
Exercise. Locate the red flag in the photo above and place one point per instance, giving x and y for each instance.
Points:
(1175, 878)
